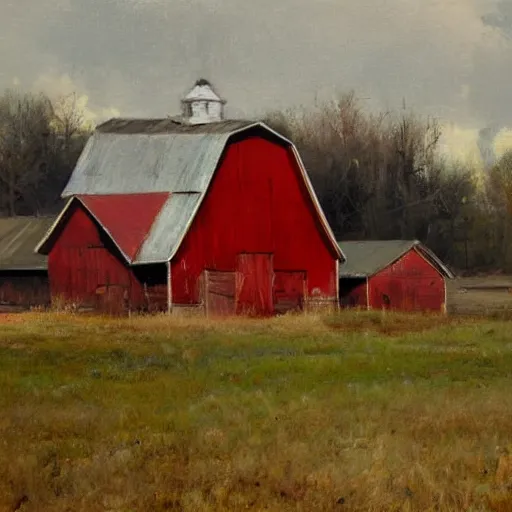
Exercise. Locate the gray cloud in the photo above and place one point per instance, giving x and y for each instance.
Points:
(500, 18)
(449, 58)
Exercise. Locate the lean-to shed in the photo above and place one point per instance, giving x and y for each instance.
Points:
(23, 274)
(392, 274)
(211, 214)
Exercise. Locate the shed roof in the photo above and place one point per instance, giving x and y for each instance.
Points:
(142, 156)
(18, 237)
(367, 258)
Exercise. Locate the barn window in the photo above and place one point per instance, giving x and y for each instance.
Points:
(385, 299)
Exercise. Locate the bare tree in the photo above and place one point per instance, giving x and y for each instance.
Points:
(24, 130)
(378, 175)
(500, 194)
(39, 144)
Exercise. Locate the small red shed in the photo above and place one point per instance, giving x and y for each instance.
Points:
(392, 274)
(192, 212)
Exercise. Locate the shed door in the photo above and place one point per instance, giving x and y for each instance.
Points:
(289, 291)
(254, 284)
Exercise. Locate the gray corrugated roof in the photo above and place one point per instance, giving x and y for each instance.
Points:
(366, 258)
(137, 163)
(165, 237)
(169, 125)
(134, 156)
(18, 237)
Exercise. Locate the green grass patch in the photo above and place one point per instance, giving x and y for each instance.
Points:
(356, 411)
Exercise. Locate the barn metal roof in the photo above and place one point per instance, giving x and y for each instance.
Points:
(140, 156)
(367, 258)
(126, 156)
(18, 237)
(166, 235)
(171, 125)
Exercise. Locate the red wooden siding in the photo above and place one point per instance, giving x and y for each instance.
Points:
(83, 269)
(289, 290)
(257, 203)
(254, 284)
(409, 284)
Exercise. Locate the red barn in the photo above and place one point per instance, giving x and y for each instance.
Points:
(393, 274)
(167, 213)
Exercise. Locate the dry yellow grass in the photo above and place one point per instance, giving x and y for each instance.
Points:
(357, 411)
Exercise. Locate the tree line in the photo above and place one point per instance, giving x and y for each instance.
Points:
(382, 176)
(377, 176)
(40, 142)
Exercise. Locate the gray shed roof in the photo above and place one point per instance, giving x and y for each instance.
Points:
(18, 237)
(135, 156)
(367, 258)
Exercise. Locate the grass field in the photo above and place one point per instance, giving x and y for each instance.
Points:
(359, 412)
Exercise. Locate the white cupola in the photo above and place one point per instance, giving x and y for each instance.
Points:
(202, 104)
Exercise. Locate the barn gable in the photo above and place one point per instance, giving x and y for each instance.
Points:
(129, 157)
(126, 218)
(367, 258)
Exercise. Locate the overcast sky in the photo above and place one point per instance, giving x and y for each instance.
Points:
(448, 58)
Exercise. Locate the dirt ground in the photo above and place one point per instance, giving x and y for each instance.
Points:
(479, 295)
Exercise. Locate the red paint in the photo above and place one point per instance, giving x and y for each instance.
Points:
(257, 206)
(409, 284)
(84, 270)
(254, 284)
(289, 290)
(126, 217)
(257, 203)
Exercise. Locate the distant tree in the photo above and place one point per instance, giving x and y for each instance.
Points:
(380, 175)
(24, 131)
(39, 144)
(500, 196)
(373, 174)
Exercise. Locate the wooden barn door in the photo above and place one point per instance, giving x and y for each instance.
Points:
(289, 290)
(219, 293)
(254, 279)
